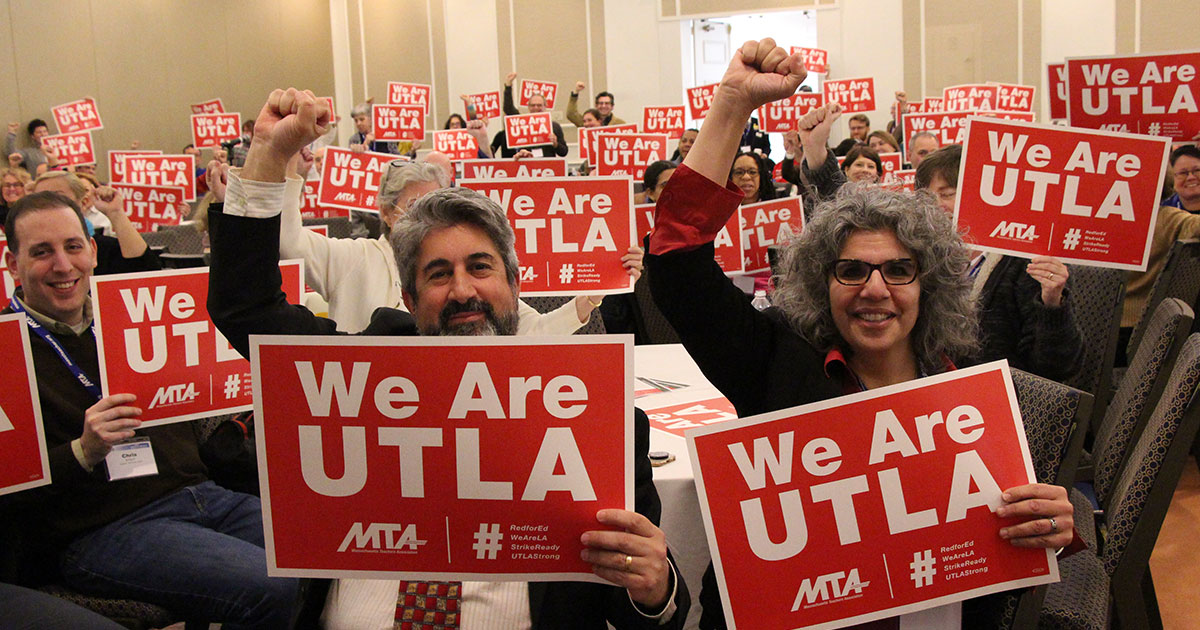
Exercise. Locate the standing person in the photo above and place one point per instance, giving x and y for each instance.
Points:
(454, 249)
(34, 158)
(604, 106)
(171, 538)
(873, 292)
(537, 105)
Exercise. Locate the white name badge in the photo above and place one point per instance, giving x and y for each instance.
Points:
(131, 458)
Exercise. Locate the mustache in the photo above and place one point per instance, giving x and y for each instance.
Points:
(473, 305)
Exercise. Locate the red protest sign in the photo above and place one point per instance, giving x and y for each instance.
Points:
(867, 506)
(159, 170)
(310, 208)
(727, 250)
(699, 99)
(768, 223)
(148, 207)
(72, 148)
(528, 130)
(524, 167)
(398, 122)
(7, 284)
(214, 106)
(332, 111)
(629, 153)
(473, 495)
(1154, 94)
(1056, 77)
(892, 162)
(1079, 195)
(815, 59)
(571, 231)
(782, 115)
(210, 130)
(1014, 98)
(667, 119)
(350, 180)
(155, 339)
(529, 87)
(417, 94)
(26, 463)
(678, 418)
(946, 127)
(935, 104)
(854, 95)
(116, 162)
(457, 144)
(487, 105)
(80, 115)
(904, 179)
(588, 143)
(970, 97)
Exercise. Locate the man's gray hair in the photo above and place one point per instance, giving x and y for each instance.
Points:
(395, 179)
(946, 324)
(362, 109)
(921, 134)
(447, 208)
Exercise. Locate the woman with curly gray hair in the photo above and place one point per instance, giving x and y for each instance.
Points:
(874, 291)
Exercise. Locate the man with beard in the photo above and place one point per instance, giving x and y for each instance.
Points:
(454, 250)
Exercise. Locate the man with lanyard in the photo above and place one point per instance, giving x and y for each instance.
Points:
(131, 509)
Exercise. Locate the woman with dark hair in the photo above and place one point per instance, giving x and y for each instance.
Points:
(685, 145)
(455, 121)
(654, 180)
(872, 293)
(751, 173)
(862, 164)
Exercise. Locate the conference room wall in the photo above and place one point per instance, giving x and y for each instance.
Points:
(145, 62)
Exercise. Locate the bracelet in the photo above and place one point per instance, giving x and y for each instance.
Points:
(594, 304)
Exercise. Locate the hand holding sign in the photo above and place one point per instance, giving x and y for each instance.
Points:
(635, 558)
(107, 422)
(1052, 275)
(1051, 516)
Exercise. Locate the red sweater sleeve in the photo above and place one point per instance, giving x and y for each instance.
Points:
(691, 211)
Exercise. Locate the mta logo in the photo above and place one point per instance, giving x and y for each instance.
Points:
(1012, 229)
(382, 537)
(828, 586)
(168, 395)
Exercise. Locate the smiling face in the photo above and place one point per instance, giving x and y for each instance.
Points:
(875, 318)
(1187, 181)
(461, 286)
(537, 104)
(685, 142)
(746, 177)
(862, 170)
(879, 145)
(604, 105)
(591, 121)
(859, 130)
(54, 264)
(12, 189)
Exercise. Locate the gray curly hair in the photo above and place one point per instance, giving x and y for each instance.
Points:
(946, 325)
(445, 208)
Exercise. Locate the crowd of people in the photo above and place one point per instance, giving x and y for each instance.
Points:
(880, 288)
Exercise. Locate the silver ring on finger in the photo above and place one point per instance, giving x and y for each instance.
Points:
(1053, 524)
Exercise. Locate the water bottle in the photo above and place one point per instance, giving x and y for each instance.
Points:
(760, 300)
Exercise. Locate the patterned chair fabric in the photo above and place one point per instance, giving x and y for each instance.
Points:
(1096, 296)
(595, 325)
(339, 227)
(1079, 601)
(1140, 388)
(127, 612)
(1050, 412)
(1180, 279)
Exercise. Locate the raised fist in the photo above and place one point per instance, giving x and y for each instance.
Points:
(508, 80)
(579, 87)
(291, 119)
(760, 72)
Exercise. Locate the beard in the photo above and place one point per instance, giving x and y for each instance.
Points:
(491, 324)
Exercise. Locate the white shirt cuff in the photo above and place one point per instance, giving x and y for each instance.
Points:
(259, 200)
(77, 450)
(668, 611)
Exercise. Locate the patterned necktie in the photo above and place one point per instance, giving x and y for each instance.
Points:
(428, 606)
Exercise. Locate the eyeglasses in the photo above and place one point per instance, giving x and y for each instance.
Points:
(13, 185)
(854, 273)
(1188, 173)
(745, 172)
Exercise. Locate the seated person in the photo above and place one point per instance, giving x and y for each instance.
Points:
(1025, 313)
(172, 538)
(872, 293)
(454, 252)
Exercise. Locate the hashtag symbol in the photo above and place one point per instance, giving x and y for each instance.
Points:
(566, 273)
(1155, 129)
(1071, 239)
(923, 567)
(232, 383)
(487, 541)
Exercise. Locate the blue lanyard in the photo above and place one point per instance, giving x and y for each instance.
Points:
(49, 338)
